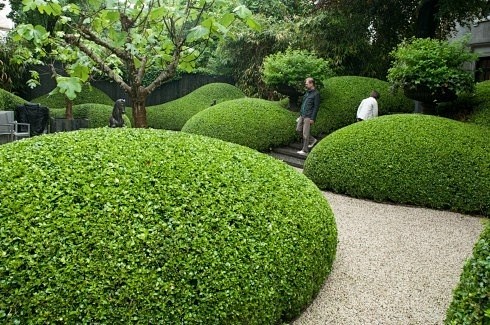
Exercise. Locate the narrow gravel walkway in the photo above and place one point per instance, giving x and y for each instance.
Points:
(394, 265)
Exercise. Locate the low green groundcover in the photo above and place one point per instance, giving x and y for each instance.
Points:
(174, 114)
(471, 301)
(256, 123)
(407, 158)
(123, 226)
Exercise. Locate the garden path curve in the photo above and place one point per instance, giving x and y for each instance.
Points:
(394, 265)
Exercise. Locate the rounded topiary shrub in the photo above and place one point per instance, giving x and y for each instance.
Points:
(89, 94)
(341, 96)
(156, 227)
(9, 101)
(407, 158)
(471, 298)
(256, 123)
(481, 112)
(174, 114)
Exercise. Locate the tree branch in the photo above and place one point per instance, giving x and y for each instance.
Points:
(75, 41)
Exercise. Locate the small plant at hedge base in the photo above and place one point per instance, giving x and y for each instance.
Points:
(286, 72)
(431, 70)
(123, 226)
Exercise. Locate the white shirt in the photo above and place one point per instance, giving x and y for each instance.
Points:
(367, 109)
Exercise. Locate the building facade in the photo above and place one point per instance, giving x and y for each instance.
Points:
(480, 44)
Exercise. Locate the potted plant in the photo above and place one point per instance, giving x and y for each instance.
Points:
(286, 72)
(431, 71)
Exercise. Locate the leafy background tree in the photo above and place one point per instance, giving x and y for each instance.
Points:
(356, 36)
(135, 35)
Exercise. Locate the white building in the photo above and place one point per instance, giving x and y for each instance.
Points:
(5, 23)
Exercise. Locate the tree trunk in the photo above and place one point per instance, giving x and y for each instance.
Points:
(69, 109)
(139, 113)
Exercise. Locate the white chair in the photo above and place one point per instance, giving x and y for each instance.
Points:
(11, 128)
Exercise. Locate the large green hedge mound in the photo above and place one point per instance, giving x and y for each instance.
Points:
(471, 300)
(173, 115)
(341, 96)
(97, 114)
(407, 158)
(122, 226)
(9, 101)
(89, 94)
(256, 123)
(481, 110)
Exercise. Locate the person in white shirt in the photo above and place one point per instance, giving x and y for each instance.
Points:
(369, 107)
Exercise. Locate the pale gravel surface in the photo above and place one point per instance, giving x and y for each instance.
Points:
(394, 265)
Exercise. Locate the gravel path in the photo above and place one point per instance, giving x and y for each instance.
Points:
(394, 265)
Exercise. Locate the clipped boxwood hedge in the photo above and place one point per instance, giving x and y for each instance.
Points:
(481, 113)
(407, 158)
(256, 123)
(174, 114)
(123, 226)
(9, 101)
(89, 94)
(471, 299)
(97, 114)
(341, 96)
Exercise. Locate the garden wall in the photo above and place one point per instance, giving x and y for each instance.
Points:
(179, 87)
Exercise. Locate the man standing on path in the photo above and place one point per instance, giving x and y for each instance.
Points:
(368, 108)
(309, 109)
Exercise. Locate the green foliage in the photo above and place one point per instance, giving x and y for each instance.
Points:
(481, 113)
(291, 67)
(471, 298)
(341, 97)
(407, 158)
(255, 123)
(87, 95)
(9, 101)
(233, 55)
(174, 114)
(11, 76)
(278, 9)
(432, 63)
(97, 114)
(145, 36)
(156, 227)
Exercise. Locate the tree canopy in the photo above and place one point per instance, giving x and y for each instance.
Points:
(124, 39)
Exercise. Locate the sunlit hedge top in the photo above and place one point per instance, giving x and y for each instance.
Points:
(410, 158)
(156, 227)
(256, 123)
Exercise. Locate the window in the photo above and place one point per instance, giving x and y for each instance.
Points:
(482, 69)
